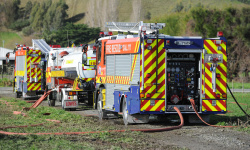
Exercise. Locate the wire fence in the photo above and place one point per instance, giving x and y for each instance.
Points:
(242, 86)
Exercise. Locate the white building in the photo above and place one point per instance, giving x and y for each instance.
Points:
(3, 52)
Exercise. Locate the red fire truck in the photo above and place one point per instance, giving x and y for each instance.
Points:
(149, 73)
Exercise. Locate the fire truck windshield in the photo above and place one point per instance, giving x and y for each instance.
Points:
(99, 52)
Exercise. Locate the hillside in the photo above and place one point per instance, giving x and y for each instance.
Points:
(96, 12)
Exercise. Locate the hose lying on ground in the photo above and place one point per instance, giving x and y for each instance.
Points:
(193, 105)
(90, 132)
(39, 101)
(237, 102)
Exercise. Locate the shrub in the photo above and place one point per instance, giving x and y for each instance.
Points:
(19, 25)
(27, 31)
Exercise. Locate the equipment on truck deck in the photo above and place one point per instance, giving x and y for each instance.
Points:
(70, 74)
(150, 74)
(29, 72)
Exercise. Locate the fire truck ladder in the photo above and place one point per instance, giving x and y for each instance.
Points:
(139, 28)
(42, 45)
(133, 27)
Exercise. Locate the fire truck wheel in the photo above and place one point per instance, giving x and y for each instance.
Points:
(90, 98)
(18, 95)
(101, 112)
(99, 108)
(125, 112)
(50, 101)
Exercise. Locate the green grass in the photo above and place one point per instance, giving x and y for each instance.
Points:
(235, 116)
(10, 38)
(3, 82)
(69, 123)
(238, 85)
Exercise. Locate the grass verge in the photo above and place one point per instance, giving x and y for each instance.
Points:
(10, 38)
(234, 115)
(69, 123)
(238, 85)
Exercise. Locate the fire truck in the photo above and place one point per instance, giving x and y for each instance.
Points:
(148, 73)
(70, 75)
(29, 72)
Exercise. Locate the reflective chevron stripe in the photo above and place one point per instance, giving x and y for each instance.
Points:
(156, 99)
(34, 86)
(88, 79)
(158, 105)
(210, 100)
(214, 105)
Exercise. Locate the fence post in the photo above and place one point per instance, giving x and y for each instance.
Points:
(2, 70)
(242, 86)
(233, 85)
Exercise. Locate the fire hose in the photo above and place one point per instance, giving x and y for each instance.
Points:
(90, 132)
(39, 101)
(193, 105)
(142, 130)
(237, 102)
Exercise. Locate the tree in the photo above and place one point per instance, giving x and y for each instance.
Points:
(178, 7)
(11, 9)
(28, 8)
(48, 16)
(79, 33)
(235, 24)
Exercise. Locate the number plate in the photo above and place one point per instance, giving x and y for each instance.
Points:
(183, 42)
(70, 104)
(73, 103)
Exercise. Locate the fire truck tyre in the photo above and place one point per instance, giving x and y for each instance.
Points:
(125, 113)
(101, 113)
(24, 98)
(18, 95)
(50, 101)
(90, 99)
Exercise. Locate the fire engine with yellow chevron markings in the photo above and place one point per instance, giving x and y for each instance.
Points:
(28, 72)
(148, 73)
(67, 72)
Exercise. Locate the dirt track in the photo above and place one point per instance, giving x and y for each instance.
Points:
(194, 137)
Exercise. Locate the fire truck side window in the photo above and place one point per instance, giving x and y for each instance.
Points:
(99, 52)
